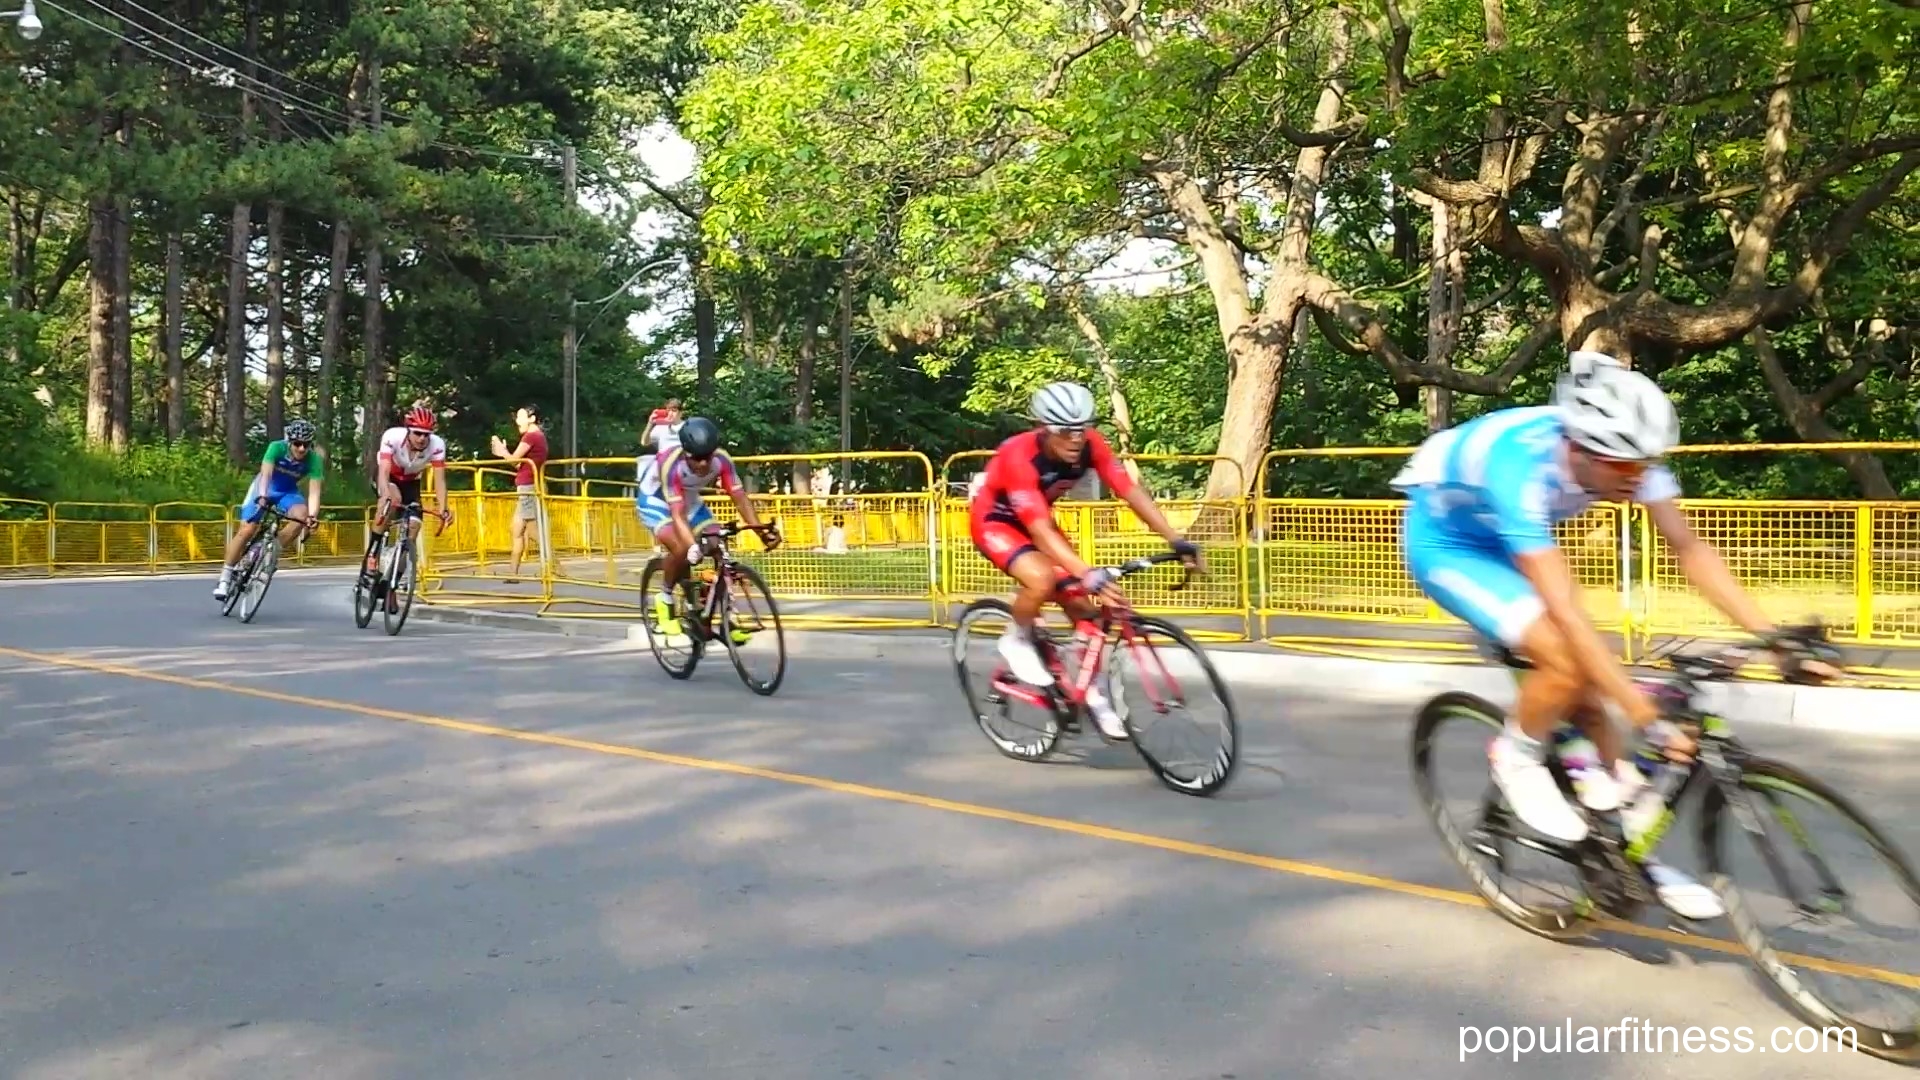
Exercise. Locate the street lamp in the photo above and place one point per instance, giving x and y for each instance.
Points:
(570, 366)
(27, 21)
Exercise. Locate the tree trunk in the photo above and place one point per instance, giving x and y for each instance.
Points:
(276, 322)
(234, 413)
(100, 322)
(846, 376)
(706, 331)
(18, 264)
(1446, 304)
(240, 239)
(374, 389)
(333, 321)
(121, 427)
(803, 392)
(174, 318)
(1110, 374)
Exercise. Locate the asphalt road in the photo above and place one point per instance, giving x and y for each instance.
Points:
(442, 855)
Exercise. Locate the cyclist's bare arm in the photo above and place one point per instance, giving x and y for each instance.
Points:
(1548, 571)
(1706, 570)
(313, 501)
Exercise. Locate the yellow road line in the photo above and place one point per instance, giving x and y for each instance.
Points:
(995, 813)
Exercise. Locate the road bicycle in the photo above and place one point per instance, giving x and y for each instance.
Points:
(1077, 665)
(253, 575)
(1734, 783)
(721, 592)
(389, 578)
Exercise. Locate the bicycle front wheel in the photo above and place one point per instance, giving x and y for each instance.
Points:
(1175, 678)
(367, 584)
(262, 577)
(399, 599)
(674, 648)
(1819, 852)
(750, 625)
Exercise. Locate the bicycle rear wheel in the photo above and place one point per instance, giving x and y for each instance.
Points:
(262, 577)
(677, 654)
(1031, 738)
(1819, 909)
(1174, 672)
(1485, 843)
(748, 617)
(399, 598)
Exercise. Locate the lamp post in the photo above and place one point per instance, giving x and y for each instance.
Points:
(570, 370)
(26, 21)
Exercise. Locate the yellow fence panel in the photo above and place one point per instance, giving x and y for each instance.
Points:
(189, 535)
(1893, 571)
(26, 537)
(1797, 559)
(90, 537)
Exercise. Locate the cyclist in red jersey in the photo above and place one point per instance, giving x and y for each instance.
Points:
(1012, 525)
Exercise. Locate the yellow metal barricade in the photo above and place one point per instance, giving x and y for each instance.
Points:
(189, 536)
(470, 563)
(1107, 531)
(1890, 593)
(26, 537)
(101, 538)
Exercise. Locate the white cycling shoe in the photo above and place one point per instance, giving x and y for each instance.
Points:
(1018, 651)
(1529, 788)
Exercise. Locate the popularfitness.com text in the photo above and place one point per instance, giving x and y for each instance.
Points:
(1633, 1035)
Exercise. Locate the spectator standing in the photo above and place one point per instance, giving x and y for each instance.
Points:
(530, 454)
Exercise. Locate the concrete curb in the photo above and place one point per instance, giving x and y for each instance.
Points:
(1851, 710)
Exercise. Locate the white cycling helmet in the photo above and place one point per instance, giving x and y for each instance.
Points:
(1614, 412)
(1065, 404)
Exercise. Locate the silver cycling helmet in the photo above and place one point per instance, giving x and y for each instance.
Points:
(1614, 412)
(1063, 404)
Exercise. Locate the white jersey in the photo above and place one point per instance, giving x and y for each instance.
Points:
(408, 463)
(664, 437)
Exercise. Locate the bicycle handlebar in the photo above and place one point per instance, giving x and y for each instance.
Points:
(1145, 562)
(1800, 644)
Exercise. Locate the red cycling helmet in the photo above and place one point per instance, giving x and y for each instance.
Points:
(419, 418)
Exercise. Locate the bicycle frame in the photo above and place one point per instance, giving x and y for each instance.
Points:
(1096, 638)
(713, 546)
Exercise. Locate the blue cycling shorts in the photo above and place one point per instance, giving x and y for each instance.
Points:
(284, 501)
(1478, 584)
(656, 515)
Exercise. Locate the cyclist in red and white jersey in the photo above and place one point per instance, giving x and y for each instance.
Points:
(1012, 525)
(406, 453)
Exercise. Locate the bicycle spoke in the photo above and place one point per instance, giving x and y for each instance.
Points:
(1191, 743)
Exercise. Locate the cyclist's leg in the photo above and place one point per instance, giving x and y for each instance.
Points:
(242, 536)
(294, 506)
(1485, 590)
(1011, 551)
(658, 519)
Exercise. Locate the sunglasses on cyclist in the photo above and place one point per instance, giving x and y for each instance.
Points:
(299, 444)
(1067, 431)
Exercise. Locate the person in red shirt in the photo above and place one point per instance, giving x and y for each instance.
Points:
(531, 454)
(1012, 525)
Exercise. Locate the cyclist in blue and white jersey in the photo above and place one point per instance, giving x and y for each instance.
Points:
(1483, 500)
(669, 503)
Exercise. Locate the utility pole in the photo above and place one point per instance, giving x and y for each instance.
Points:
(570, 344)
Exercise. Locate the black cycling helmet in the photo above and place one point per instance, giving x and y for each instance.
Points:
(700, 437)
